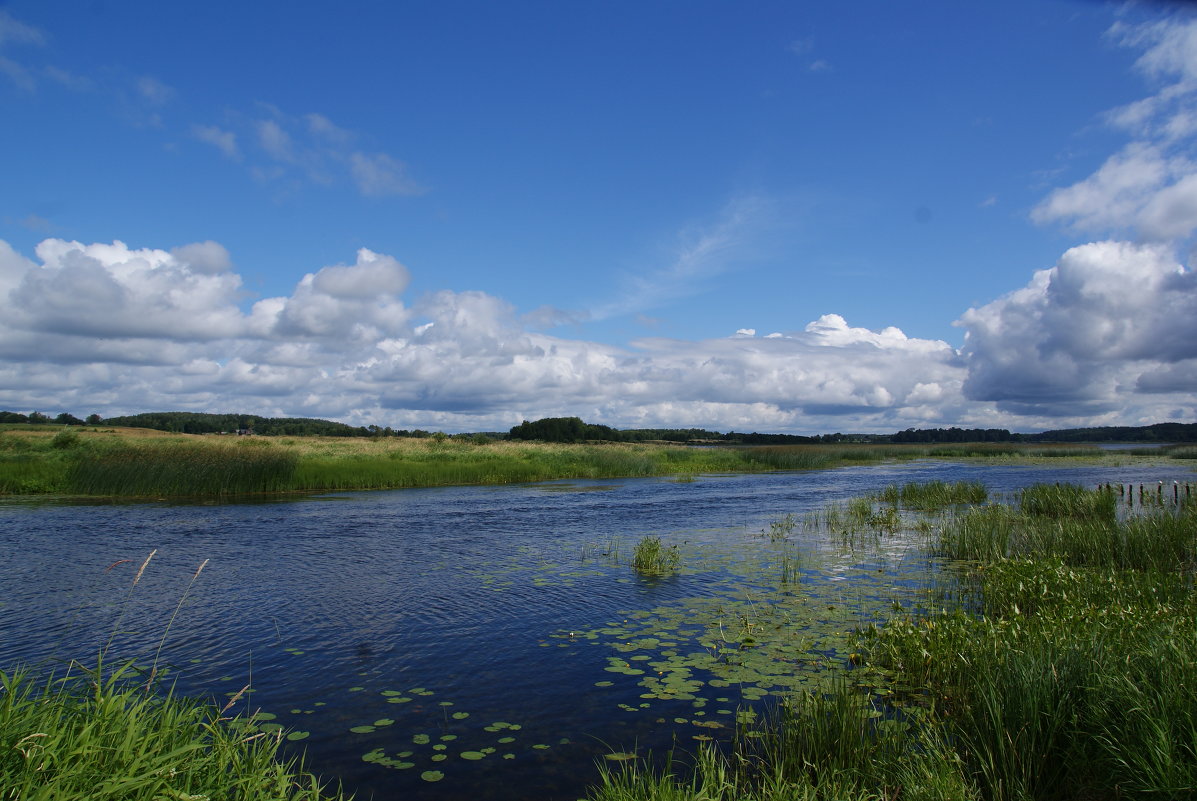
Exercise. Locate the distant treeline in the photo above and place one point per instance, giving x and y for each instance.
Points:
(1160, 432)
(574, 429)
(203, 423)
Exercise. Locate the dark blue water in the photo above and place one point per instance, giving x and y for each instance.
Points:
(458, 600)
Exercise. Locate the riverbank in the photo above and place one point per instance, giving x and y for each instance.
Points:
(96, 735)
(139, 463)
(1058, 663)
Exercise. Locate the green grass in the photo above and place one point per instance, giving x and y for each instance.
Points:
(100, 736)
(651, 557)
(934, 495)
(818, 747)
(139, 463)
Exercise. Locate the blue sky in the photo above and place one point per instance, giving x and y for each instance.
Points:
(769, 216)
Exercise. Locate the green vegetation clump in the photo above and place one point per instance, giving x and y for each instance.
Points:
(1068, 501)
(934, 494)
(101, 737)
(182, 469)
(651, 557)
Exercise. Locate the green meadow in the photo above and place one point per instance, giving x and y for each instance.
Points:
(150, 464)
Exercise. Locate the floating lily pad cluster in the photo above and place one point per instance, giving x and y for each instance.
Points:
(757, 631)
(454, 739)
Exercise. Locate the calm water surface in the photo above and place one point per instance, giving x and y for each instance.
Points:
(423, 618)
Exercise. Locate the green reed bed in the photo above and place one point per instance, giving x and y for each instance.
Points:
(149, 464)
(934, 495)
(100, 736)
(651, 557)
(179, 468)
(32, 465)
(1164, 540)
(1068, 501)
(1078, 679)
(817, 747)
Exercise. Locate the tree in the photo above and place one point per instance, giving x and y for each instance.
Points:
(94, 419)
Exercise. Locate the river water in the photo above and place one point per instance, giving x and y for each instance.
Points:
(465, 641)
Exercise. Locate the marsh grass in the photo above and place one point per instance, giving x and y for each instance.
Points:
(143, 463)
(1058, 661)
(1068, 501)
(934, 495)
(180, 468)
(816, 747)
(1077, 526)
(651, 557)
(1078, 677)
(96, 735)
(114, 733)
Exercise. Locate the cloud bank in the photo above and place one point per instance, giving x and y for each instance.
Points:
(112, 329)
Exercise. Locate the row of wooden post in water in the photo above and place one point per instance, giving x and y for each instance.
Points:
(1146, 492)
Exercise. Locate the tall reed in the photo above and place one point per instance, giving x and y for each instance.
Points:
(180, 469)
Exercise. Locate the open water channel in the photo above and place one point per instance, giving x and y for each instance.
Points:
(478, 642)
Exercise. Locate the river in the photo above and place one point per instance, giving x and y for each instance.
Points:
(468, 642)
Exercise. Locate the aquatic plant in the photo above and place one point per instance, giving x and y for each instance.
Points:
(95, 735)
(781, 529)
(651, 557)
(934, 495)
(181, 468)
(1068, 501)
(832, 746)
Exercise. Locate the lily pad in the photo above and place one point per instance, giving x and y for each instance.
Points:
(432, 775)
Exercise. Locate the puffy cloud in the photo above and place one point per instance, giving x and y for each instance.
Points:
(111, 291)
(138, 329)
(1150, 186)
(372, 275)
(207, 257)
(1107, 321)
(339, 304)
(1107, 334)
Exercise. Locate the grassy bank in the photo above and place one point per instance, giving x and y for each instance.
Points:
(1059, 663)
(140, 463)
(101, 737)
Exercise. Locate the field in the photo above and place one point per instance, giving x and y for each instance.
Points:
(150, 464)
